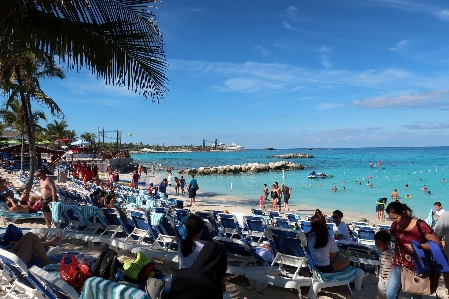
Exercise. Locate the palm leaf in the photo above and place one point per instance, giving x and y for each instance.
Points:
(118, 40)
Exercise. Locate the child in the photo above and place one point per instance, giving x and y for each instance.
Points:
(382, 240)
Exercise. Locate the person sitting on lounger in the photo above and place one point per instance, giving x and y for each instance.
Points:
(190, 247)
(109, 203)
(323, 247)
(205, 279)
(26, 203)
(31, 246)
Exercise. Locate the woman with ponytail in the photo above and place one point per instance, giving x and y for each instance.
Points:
(190, 247)
(322, 246)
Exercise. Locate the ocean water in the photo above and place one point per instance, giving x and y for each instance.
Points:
(400, 166)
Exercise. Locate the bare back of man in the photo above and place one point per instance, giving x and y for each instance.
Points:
(48, 194)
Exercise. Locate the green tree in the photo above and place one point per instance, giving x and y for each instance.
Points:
(13, 116)
(117, 40)
(19, 77)
(71, 134)
(89, 137)
(57, 130)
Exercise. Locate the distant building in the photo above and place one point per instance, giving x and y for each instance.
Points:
(12, 135)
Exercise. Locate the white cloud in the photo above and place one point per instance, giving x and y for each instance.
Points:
(400, 45)
(432, 98)
(262, 50)
(287, 25)
(250, 85)
(427, 125)
(443, 15)
(392, 81)
(327, 106)
(325, 61)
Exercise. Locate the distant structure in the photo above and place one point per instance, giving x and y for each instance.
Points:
(214, 144)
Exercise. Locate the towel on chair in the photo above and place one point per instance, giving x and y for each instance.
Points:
(57, 208)
(346, 275)
(87, 212)
(156, 219)
(96, 288)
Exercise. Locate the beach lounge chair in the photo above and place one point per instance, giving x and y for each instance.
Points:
(257, 212)
(230, 225)
(363, 256)
(256, 227)
(21, 284)
(182, 215)
(210, 217)
(365, 236)
(292, 218)
(305, 226)
(56, 285)
(274, 214)
(208, 232)
(242, 258)
(282, 222)
(326, 280)
(290, 257)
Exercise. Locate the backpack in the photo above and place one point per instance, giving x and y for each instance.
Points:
(140, 269)
(12, 234)
(106, 265)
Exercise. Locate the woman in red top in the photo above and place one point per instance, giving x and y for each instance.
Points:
(405, 229)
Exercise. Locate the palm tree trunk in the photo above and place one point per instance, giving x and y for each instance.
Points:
(26, 104)
(22, 153)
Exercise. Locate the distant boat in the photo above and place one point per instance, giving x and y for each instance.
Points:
(270, 149)
(319, 175)
(233, 147)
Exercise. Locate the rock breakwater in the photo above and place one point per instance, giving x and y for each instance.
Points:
(249, 167)
(292, 156)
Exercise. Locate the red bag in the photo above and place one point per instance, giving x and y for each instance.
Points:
(74, 273)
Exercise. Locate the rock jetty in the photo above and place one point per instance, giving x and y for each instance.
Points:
(292, 156)
(249, 167)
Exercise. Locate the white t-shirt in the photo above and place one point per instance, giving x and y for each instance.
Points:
(321, 256)
(440, 212)
(342, 229)
(186, 262)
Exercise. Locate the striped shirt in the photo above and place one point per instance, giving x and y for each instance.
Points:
(386, 263)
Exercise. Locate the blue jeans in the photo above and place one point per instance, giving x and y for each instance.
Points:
(394, 284)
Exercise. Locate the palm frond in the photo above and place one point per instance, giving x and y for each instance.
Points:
(118, 40)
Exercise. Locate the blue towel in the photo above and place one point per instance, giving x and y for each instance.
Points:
(57, 208)
(96, 288)
(347, 274)
(429, 219)
(156, 219)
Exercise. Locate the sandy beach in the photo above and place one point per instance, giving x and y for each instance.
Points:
(237, 286)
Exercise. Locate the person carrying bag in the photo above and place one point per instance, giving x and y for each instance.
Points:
(403, 274)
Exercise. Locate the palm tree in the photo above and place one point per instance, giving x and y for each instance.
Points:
(71, 134)
(57, 130)
(89, 137)
(19, 76)
(13, 115)
(118, 40)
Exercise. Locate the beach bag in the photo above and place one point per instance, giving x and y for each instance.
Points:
(139, 269)
(12, 234)
(73, 272)
(418, 284)
(103, 266)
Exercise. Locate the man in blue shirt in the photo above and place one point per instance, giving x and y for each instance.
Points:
(163, 187)
(192, 187)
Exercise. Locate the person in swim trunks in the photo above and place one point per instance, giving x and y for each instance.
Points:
(48, 194)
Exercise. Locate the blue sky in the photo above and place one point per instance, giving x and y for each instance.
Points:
(284, 74)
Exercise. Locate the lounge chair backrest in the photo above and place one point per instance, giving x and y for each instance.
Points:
(282, 222)
(254, 223)
(239, 250)
(273, 214)
(208, 232)
(230, 225)
(210, 217)
(305, 226)
(56, 285)
(257, 212)
(366, 234)
(182, 214)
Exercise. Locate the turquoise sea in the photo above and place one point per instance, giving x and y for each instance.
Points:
(400, 166)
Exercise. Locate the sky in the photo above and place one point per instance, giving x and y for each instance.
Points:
(283, 74)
